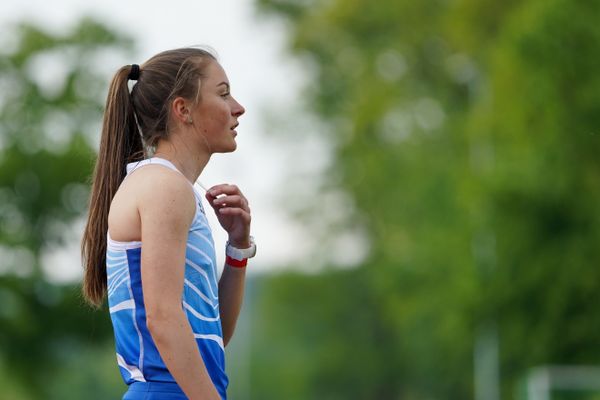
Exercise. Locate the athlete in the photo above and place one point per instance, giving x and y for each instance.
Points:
(147, 245)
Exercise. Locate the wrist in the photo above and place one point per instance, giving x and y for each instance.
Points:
(240, 244)
(236, 263)
(241, 251)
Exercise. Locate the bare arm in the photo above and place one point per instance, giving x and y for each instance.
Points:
(231, 295)
(166, 212)
(233, 213)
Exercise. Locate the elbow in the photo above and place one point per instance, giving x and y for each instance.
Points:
(160, 321)
(152, 323)
(228, 334)
(155, 326)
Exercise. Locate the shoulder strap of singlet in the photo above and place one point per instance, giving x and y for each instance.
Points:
(131, 167)
(154, 160)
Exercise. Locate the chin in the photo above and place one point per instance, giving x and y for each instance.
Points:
(229, 148)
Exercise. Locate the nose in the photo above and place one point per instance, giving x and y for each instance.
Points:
(238, 109)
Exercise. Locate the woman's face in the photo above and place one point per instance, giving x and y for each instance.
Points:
(216, 115)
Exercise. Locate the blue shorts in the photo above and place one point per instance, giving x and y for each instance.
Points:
(154, 391)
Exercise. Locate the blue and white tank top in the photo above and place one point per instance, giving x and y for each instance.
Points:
(137, 355)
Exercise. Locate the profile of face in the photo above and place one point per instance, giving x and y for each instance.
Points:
(215, 117)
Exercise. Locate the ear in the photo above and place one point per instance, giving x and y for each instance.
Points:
(180, 110)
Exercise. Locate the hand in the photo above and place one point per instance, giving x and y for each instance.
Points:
(232, 212)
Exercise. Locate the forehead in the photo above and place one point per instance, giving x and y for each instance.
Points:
(215, 75)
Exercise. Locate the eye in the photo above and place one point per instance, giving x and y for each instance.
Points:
(225, 95)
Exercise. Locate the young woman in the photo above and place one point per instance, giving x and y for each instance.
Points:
(147, 243)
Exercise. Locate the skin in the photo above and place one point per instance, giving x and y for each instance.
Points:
(156, 205)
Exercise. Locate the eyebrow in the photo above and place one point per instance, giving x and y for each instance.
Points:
(224, 83)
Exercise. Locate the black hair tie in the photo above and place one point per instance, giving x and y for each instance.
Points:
(134, 73)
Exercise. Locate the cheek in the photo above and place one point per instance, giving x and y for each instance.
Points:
(217, 122)
(215, 118)
(221, 116)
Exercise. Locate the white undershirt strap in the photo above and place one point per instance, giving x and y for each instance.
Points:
(131, 167)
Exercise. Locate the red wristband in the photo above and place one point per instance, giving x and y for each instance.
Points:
(236, 263)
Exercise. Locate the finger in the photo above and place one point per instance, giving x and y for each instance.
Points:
(226, 189)
(211, 198)
(231, 201)
(234, 211)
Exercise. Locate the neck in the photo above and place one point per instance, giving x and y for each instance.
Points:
(189, 163)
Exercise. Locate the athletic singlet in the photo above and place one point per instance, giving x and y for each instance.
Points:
(137, 355)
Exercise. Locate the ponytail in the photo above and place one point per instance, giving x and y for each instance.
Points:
(165, 76)
(120, 143)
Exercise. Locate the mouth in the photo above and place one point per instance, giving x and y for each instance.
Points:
(233, 129)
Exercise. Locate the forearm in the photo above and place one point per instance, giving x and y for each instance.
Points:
(175, 341)
(233, 213)
(231, 296)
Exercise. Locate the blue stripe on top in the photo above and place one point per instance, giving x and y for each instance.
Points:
(137, 355)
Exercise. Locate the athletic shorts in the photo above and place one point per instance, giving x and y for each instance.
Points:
(154, 391)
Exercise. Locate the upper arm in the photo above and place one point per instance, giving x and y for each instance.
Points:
(166, 206)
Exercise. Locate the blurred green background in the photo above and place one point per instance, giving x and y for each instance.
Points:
(466, 140)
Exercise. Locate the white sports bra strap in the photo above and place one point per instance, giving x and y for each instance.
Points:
(154, 160)
(160, 161)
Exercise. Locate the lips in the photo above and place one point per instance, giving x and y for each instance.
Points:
(235, 126)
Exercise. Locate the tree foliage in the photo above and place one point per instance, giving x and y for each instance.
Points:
(466, 133)
(50, 108)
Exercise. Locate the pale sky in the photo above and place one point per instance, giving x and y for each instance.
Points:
(263, 78)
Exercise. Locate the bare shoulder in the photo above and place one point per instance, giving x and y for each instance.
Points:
(162, 194)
